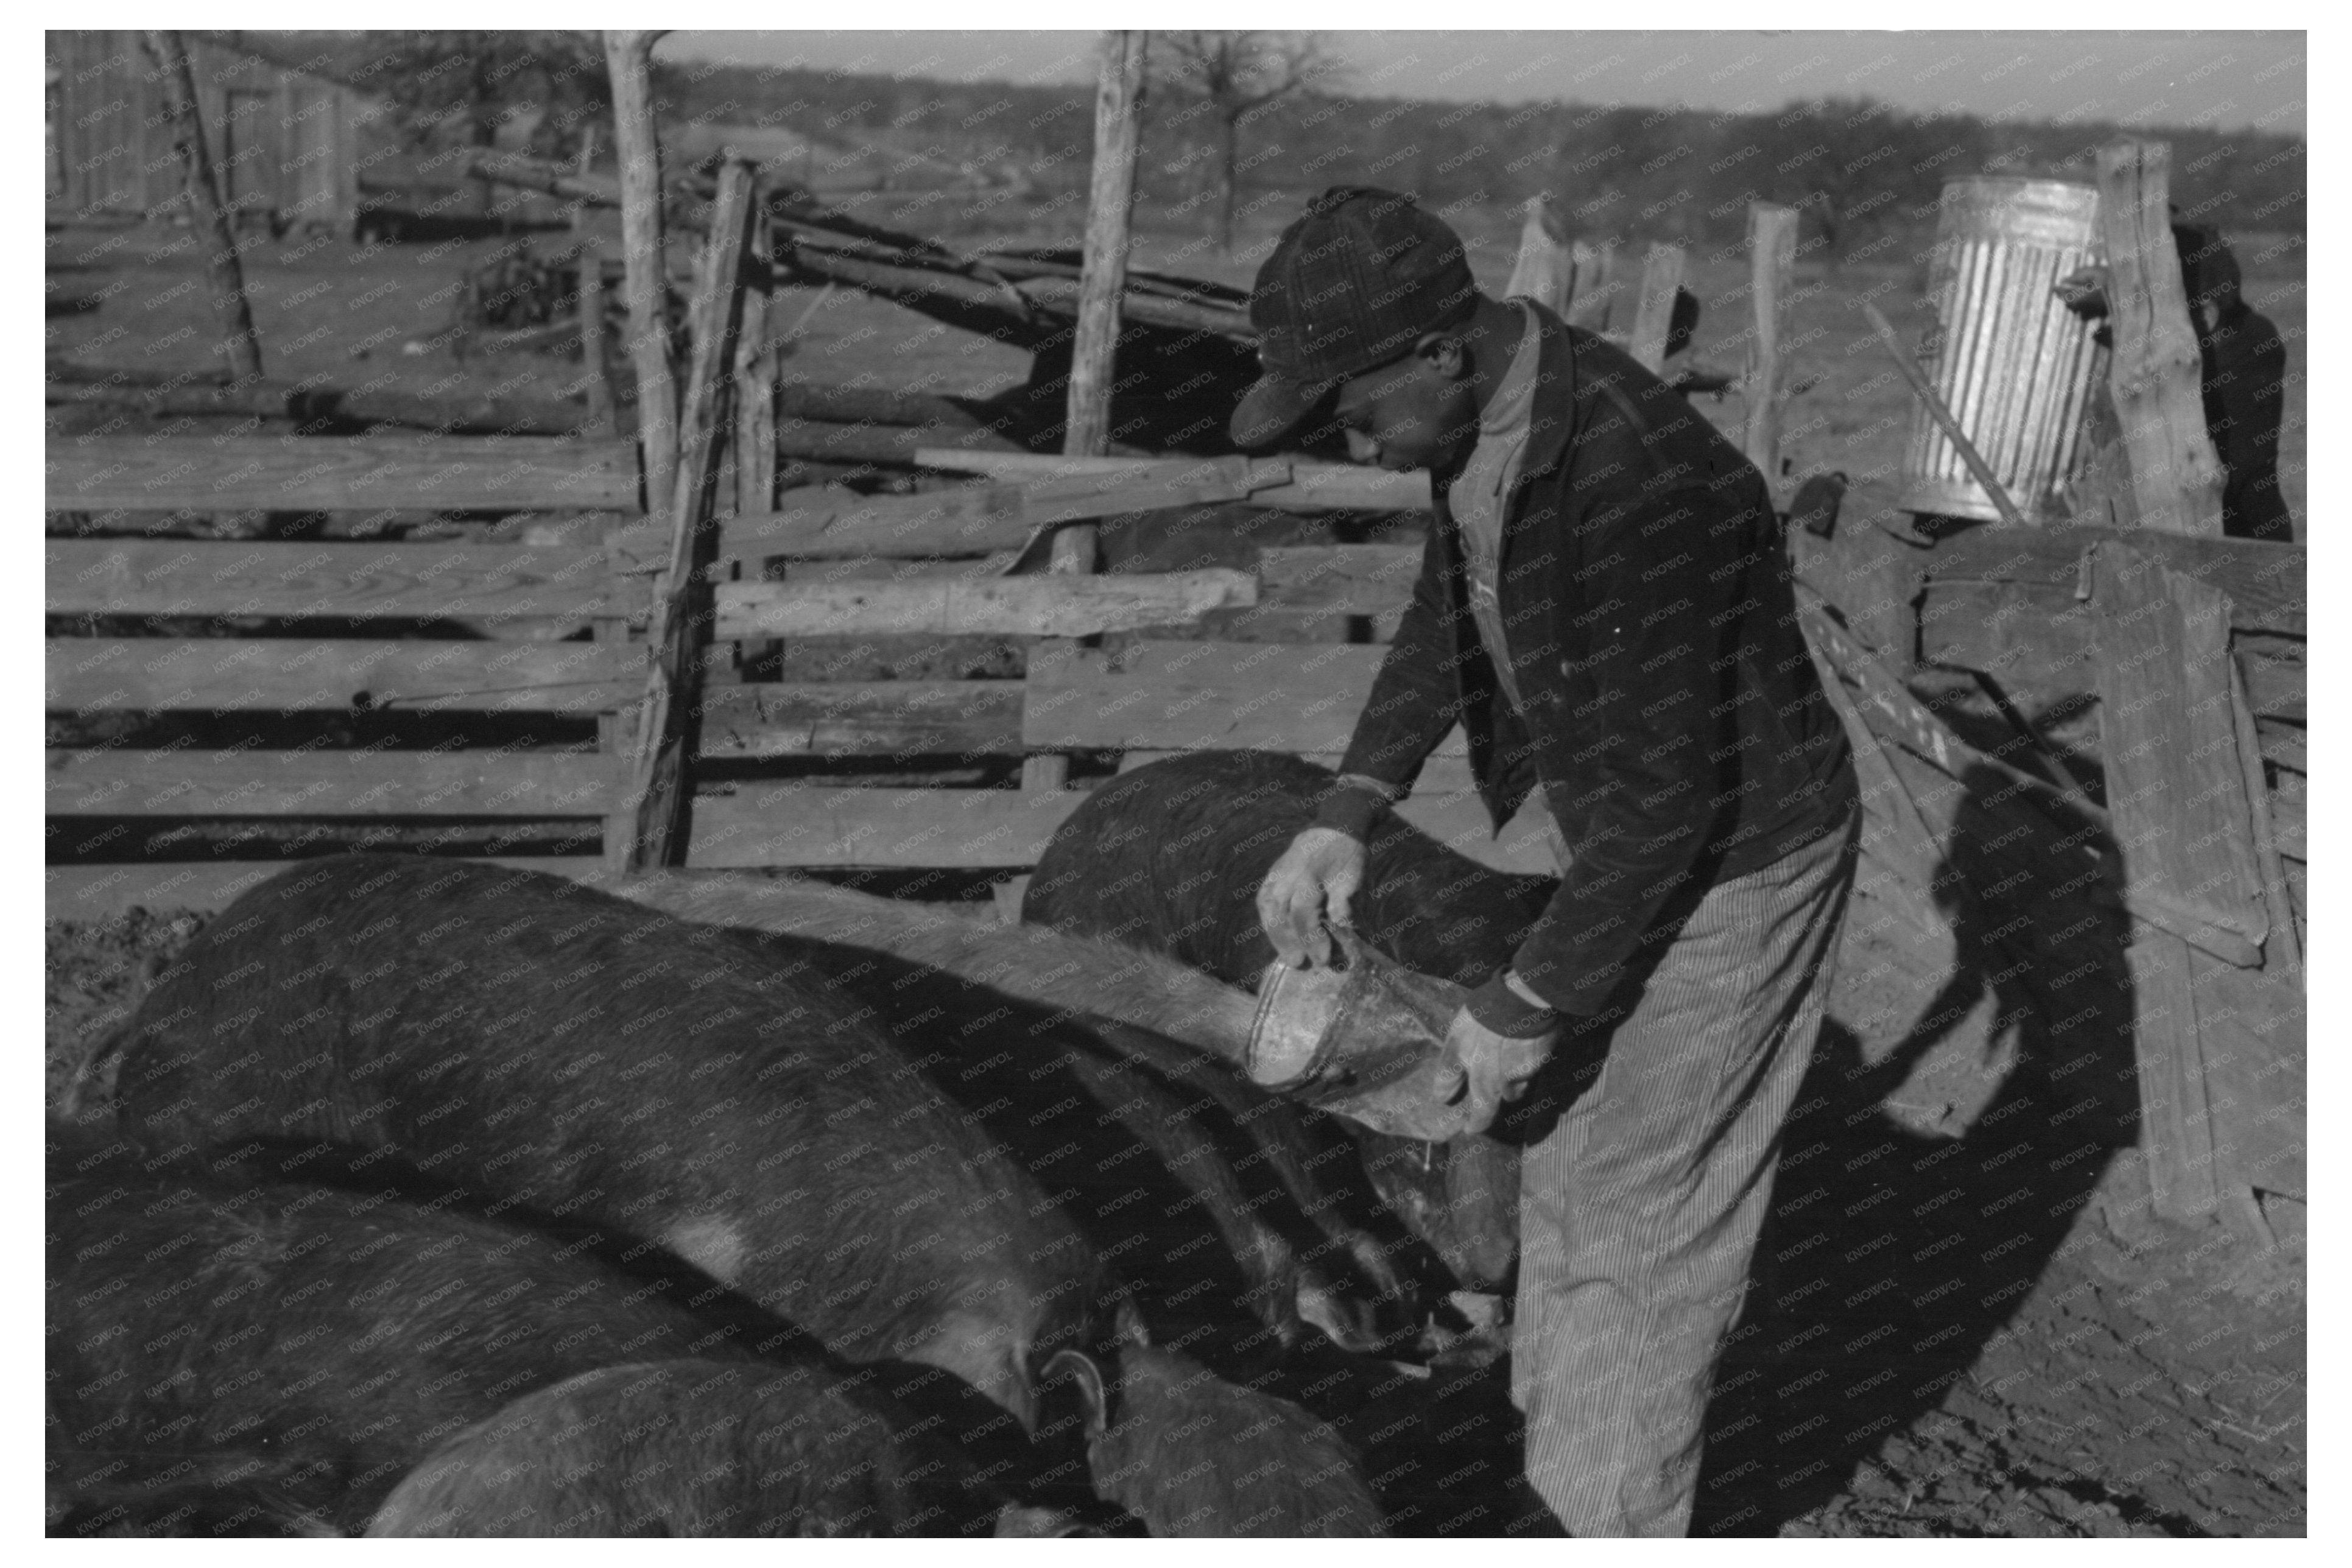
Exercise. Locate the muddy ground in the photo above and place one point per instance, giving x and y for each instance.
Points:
(1964, 1319)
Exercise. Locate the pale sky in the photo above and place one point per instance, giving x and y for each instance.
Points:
(2225, 80)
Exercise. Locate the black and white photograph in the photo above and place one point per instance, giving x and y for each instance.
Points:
(1292, 783)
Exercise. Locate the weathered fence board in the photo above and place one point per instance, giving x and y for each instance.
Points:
(189, 577)
(254, 783)
(1355, 579)
(1058, 606)
(112, 674)
(862, 718)
(338, 473)
(2266, 582)
(990, 516)
(1312, 487)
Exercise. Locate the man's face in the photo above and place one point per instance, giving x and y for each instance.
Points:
(1410, 413)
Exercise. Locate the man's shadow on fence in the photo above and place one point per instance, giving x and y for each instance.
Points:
(1892, 1256)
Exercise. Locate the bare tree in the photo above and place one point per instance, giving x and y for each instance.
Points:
(477, 80)
(1235, 79)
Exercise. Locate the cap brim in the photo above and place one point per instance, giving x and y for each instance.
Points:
(1272, 408)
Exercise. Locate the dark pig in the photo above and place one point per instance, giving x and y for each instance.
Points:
(1174, 1022)
(228, 1351)
(540, 1045)
(1169, 857)
(700, 1448)
(1170, 1187)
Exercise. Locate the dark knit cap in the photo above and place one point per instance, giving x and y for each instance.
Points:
(1352, 284)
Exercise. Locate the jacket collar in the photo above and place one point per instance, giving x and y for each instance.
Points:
(1553, 425)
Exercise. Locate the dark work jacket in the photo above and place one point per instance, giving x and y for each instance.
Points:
(1672, 712)
(2244, 381)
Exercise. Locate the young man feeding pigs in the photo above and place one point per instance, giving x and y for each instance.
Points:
(1605, 608)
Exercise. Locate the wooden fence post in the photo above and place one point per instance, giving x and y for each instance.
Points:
(1771, 273)
(658, 785)
(755, 384)
(629, 57)
(2155, 375)
(1662, 278)
(1546, 269)
(206, 212)
(1102, 280)
(1593, 291)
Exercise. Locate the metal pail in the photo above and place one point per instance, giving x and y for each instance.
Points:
(2013, 365)
(1361, 1038)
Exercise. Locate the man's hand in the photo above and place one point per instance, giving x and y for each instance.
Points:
(2084, 291)
(1322, 866)
(1480, 1069)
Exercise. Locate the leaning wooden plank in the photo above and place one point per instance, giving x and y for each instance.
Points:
(2174, 786)
(1176, 696)
(1312, 485)
(319, 473)
(1354, 579)
(104, 891)
(1006, 606)
(799, 718)
(203, 576)
(2176, 1112)
(811, 825)
(2265, 581)
(2177, 796)
(102, 674)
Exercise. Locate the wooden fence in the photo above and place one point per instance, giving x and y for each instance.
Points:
(559, 623)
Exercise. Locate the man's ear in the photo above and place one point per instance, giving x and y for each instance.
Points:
(1446, 352)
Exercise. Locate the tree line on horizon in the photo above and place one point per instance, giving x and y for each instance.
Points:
(1864, 174)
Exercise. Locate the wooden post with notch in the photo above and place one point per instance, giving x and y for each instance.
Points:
(1772, 274)
(681, 627)
(1102, 279)
(1662, 279)
(1545, 271)
(629, 57)
(2156, 375)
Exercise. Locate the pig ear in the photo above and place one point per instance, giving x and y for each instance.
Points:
(1078, 1364)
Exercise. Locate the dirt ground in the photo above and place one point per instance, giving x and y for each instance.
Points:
(1962, 1323)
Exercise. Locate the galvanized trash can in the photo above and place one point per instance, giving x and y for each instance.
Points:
(2015, 365)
